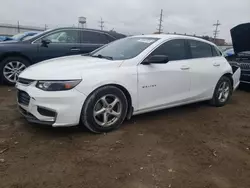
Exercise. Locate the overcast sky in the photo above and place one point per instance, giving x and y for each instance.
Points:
(131, 16)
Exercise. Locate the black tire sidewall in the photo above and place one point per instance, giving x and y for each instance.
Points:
(87, 117)
(215, 99)
(6, 61)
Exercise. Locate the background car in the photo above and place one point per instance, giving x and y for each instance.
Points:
(2, 38)
(16, 56)
(228, 52)
(20, 36)
(23, 36)
(130, 76)
(241, 45)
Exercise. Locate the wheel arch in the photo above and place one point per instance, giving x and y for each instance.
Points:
(126, 93)
(14, 54)
(230, 76)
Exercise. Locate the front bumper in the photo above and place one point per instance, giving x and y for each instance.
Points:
(59, 108)
(245, 70)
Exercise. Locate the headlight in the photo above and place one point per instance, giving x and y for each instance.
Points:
(57, 85)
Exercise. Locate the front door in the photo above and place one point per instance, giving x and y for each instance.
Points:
(161, 85)
(62, 43)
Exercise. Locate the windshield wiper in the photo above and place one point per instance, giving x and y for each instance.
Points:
(102, 56)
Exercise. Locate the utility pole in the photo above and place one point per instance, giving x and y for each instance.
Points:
(18, 27)
(45, 27)
(160, 22)
(101, 24)
(216, 31)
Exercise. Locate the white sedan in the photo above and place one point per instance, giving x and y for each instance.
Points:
(129, 76)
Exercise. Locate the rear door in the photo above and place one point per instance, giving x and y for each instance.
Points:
(91, 40)
(62, 43)
(205, 68)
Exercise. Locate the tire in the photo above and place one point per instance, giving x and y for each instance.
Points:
(95, 109)
(5, 66)
(218, 100)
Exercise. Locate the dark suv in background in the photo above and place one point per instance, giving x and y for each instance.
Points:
(241, 46)
(16, 56)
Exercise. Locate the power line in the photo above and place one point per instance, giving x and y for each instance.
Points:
(101, 24)
(160, 22)
(216, 31)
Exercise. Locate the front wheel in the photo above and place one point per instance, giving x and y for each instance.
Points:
(222, 93)
(11, 67)
(104, 110)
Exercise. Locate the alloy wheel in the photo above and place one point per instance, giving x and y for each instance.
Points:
(12, 70)
(224, 91)
(107, 110)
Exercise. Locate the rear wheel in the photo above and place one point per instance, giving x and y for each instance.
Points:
(104, 110)
(11, 67)
(223, 92)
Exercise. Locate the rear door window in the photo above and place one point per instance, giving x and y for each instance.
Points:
(200, 49)
(94, 37)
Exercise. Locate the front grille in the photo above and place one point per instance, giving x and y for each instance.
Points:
(23, 97)
(25, 81)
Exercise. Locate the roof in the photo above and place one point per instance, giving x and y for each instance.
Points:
(112, 33)
(172, 36)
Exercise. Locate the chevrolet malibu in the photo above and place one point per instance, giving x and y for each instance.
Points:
(130, 76)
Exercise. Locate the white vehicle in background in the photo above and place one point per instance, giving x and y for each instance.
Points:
(129, 76)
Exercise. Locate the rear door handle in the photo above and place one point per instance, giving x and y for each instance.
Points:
(185, 68)
(216, 64)
(75, 49)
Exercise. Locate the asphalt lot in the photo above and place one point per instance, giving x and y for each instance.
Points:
(194, 146)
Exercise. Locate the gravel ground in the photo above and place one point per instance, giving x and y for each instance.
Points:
(194, 146)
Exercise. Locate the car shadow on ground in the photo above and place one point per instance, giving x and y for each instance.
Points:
(140, 119)
(244, 87)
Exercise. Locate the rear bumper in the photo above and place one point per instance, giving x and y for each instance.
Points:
(245, 70)
(236, 76)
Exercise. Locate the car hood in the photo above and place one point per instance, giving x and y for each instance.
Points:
(65, 68)
(10, 42)
(241, 37)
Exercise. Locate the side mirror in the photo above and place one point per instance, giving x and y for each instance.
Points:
(156, 59)
(45, 42)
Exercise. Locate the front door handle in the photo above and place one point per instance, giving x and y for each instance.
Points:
(185, 68)
(75, 49)
(216, 64)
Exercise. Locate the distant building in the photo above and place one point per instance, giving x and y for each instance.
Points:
(219, 42)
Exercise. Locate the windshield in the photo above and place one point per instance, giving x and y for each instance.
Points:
(36, 35)
(126, 48)
(18, 36)
(27, 37)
